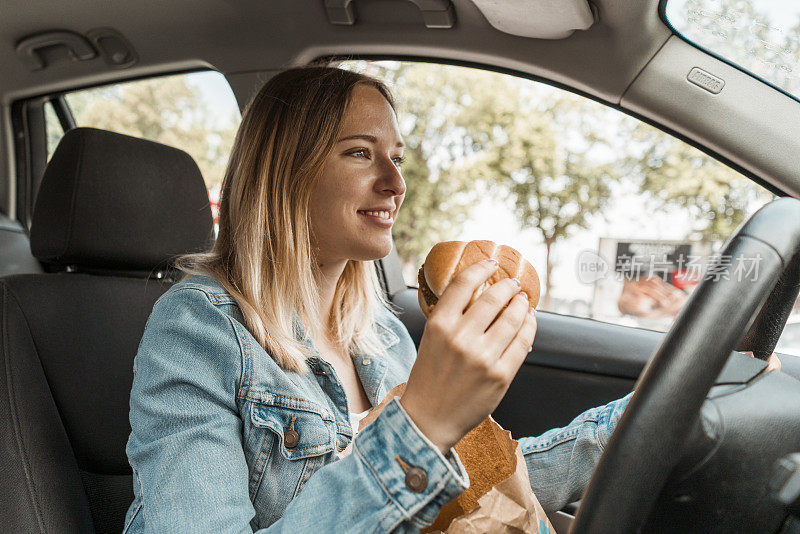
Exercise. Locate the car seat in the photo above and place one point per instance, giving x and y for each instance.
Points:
(111, 213)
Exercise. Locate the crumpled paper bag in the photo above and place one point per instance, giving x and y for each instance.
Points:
(500, 499)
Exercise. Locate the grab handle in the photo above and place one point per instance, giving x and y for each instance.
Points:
(435, 13)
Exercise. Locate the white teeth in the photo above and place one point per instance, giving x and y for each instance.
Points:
(381, 214)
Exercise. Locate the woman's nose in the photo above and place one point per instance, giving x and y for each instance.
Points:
(391, 178)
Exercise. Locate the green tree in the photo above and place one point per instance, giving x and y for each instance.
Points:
(718, 198)
(538, 156)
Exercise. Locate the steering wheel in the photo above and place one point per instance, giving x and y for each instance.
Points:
(649, 439)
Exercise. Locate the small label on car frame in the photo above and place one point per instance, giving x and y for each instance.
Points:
(706, 80)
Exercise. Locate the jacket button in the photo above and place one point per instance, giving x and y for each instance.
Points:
(416, 479)
(291, 438)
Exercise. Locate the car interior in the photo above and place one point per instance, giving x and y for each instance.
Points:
(86, 240)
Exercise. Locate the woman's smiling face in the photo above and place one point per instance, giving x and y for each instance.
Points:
(361, 173)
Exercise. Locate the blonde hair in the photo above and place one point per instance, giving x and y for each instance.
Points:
(263, 255)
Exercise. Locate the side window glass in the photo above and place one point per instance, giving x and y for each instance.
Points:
(195, 112)
(619, 219)
(53, 129)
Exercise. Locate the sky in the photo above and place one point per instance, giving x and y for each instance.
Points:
(780, 10)
(217, 93)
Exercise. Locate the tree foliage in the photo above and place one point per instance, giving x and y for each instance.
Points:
(717, 198)
(534, 150)
(468, 133)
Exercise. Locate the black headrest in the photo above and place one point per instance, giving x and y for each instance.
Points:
(111, 201)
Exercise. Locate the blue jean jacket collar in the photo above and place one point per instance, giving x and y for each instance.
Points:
(371, 371)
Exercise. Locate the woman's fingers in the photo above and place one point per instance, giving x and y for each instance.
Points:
(519, 348)
(502, 331)
(773, 363)
(459, 291)
(487, 310)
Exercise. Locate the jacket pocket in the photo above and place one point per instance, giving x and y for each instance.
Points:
(302, 428)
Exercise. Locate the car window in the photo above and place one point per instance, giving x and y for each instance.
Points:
(619, 219)
(196, 112)
(762, 38)
(53, 129)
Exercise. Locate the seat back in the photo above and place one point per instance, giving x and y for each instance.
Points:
(111, 212)
(71, 339)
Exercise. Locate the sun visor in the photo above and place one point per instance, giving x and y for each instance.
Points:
(540, 19)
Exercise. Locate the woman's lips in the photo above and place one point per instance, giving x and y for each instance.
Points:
(386, 223)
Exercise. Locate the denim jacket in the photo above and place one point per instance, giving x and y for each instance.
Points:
(212, 447)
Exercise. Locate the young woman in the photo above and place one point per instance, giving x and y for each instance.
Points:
(253, 372)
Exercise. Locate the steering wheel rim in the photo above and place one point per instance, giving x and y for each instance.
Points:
(650, 436)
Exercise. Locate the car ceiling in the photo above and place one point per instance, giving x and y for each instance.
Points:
(238, 36)
(612, 61)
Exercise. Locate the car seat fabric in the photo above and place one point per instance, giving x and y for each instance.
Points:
(68, 339)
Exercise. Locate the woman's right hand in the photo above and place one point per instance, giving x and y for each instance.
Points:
(467, 360)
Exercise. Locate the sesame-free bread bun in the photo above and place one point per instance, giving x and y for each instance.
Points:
(448, 258)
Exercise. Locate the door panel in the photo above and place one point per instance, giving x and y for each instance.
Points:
(576, 364)
(541, 398)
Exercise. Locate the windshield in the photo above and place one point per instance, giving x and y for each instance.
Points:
(760, 36)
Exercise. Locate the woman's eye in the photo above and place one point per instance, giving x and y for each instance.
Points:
(360, 153)
(365, 154)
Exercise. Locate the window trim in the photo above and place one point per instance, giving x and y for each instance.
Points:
(63, 112)
(30, 148)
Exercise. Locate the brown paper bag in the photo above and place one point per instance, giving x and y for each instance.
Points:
(499, 498)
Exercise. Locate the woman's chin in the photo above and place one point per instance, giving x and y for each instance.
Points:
(375, 252)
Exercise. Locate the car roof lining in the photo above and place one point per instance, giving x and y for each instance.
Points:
(168, 43)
